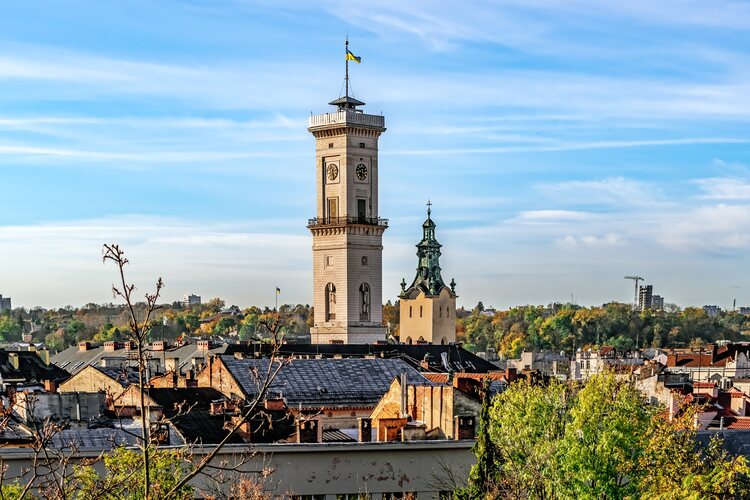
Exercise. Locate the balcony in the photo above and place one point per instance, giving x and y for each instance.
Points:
(347, 118)
(341, 221)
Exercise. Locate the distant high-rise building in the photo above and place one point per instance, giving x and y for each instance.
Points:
(745, 310)
(4, 304)
(712, 311)
(657, 303)
(191, 300)
(646, 297)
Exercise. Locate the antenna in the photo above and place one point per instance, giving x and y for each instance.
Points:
(635, 279)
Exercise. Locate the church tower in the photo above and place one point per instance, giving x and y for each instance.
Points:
(347, 231)
(428, 306)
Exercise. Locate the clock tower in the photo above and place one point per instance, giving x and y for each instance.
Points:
(347, 231)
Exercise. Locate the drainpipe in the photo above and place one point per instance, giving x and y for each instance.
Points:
(404, 397)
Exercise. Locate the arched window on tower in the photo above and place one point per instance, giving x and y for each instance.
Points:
(364, 300)
(330, 302)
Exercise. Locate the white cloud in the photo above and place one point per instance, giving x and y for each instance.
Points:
(606, 240)
(617, 192)
(57, 264)
(554, 215)
(724, 188)
(715, 228)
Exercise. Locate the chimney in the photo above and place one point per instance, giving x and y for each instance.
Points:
(204, 345)
(158, 345)
(13, 359)
(309, 431)
(463, 427)
(511, 374)
(111, 346)
(50, 386)
(171, 364)
(364, 430)
(274, 404)
(44, 354)
(84, 346)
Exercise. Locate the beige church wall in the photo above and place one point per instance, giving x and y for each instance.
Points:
(433, 325)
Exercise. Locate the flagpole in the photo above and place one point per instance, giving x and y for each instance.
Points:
(276, 297)
(346, 58)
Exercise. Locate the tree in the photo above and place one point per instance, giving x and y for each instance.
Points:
(484, 471)
(138, 331)
(527, 424)
(10, 330)
(603, 440)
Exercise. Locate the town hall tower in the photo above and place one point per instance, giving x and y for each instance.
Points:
(347, 230)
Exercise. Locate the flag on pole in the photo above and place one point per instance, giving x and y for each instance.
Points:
(352, 57)
(278, 290)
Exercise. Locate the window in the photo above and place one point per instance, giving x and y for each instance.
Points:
(361, 145)
(364, 300)
(333, 209)
(410, 311)
(440, 311)
(330, 302)
(420, 311)
(330, 145)
(361, 210)
(364, 260)
(353, 496)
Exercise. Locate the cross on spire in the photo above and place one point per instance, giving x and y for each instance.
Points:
(429, 208)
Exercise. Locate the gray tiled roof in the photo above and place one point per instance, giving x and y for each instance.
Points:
(337, 383)
(74, 360)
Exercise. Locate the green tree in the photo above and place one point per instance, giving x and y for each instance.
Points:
(124, 475)
(528, 422)
(484, 471)
(10, 330)
(603, 441)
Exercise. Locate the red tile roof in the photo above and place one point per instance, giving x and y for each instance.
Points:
(742, 423)
(704, 385)
(440, 378)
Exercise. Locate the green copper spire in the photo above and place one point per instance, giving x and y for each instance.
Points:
(428, 279)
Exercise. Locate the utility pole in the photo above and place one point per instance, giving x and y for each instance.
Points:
(636, 280)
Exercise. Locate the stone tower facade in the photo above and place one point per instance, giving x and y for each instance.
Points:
(347, 231)
(428, 306)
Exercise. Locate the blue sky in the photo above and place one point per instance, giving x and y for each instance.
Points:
(564, 144)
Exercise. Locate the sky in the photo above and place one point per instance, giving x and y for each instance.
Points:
(564, 144)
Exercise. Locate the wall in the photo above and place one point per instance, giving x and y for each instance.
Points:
(432, 325)
(92, 380)
(423, 467)
(75, 406)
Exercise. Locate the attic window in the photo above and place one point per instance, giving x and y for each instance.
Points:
(361, 144)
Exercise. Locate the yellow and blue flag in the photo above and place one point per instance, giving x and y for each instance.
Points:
(278, 290)
(352, 57)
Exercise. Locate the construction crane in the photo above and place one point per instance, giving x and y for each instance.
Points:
(635, 279)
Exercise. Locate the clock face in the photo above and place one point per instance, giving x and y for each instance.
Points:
(332, 171)
(361, 172)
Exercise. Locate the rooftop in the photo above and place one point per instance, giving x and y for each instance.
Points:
(315, 383)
